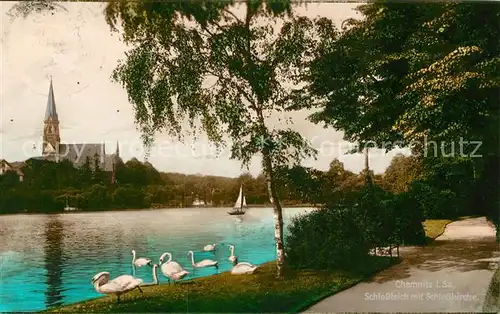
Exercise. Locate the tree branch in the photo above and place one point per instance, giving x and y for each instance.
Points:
(231, 13)
(253, 105)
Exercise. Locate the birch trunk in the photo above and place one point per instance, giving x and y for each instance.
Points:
(278, 215)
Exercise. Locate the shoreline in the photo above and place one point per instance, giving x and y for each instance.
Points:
(301, 289)
(163, 282)
(256, 206)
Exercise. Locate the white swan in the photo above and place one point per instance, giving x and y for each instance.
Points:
(243, 268)
(233, 259)
(117, 286)
(170, 269)
(155, 278)
(203, 263)
(141, 261)
(209, 247)
(172, 264)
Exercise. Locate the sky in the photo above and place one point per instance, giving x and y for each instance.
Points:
(76, 48)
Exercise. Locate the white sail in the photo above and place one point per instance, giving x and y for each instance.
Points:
(238, 201)
(244, 201)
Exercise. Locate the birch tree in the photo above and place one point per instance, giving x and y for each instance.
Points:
(225, 68)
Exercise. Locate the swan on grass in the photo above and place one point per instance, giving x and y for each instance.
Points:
(233, 259)
(203, 263)
(118, 286)
(243, 268)
(209, 247)
(155, 278)
(171, 269)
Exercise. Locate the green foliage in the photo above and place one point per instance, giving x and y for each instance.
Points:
(401, 173)
(303, 182)
(342, 233)
(327, 238)
(407, 215)
(411, 70)
(446, 188)
(127, 196)
(8, 180)
(318, 187)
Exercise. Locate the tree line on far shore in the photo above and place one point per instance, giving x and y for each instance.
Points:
(441, 187)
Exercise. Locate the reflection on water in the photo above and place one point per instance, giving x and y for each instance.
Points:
(47, 260)
(54, 260)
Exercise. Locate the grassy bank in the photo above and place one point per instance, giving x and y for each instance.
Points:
(435, 227)
(223, 293)
(492, 299)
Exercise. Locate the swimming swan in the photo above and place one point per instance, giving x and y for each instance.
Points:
(233, 259)
(141, 261)
(203, 263)
(209, 247)
(155, 278)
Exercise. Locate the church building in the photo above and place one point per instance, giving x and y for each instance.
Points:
(77, 153)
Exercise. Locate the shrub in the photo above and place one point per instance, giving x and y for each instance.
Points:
(409, 217)
(341, 234)
(326, 238)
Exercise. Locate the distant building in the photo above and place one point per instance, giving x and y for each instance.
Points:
(54, 150)
(77, 153)
(5, 166)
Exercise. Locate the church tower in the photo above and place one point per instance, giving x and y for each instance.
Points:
(51, 138)
(117, 152)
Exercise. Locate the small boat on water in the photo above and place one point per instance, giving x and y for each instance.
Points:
(69, 208)
(240, 205)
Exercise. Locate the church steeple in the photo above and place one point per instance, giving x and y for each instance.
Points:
(117, 153)
(51, 138)
(51, 111)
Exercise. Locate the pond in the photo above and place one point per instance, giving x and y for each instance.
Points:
(48, 260)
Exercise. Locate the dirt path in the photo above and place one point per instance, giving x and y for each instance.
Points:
(450, 275)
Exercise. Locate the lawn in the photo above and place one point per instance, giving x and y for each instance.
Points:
(435, 227)
(223, 293)
(492, 299)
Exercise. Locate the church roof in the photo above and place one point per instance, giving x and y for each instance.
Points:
(78, 154)
(51, 104)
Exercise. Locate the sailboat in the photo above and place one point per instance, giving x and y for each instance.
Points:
(240, 204)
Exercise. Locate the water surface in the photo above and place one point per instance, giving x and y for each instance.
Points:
(48, 260)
